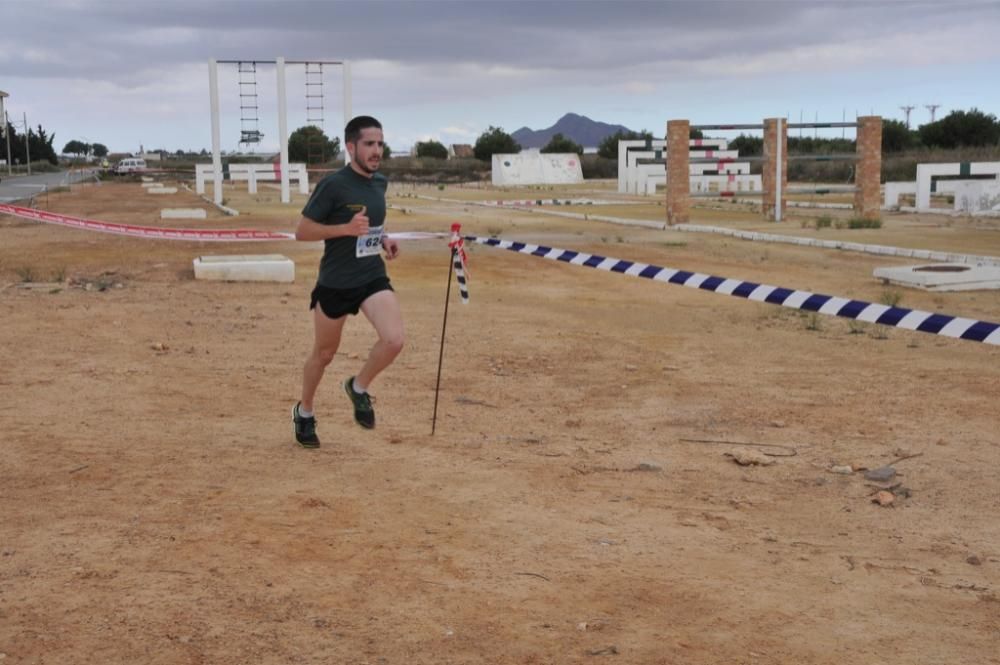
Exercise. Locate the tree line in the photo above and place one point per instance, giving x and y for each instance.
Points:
(39, 146)
(958, 129)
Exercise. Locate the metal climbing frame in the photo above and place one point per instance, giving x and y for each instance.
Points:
(314, 111)
(250, 133)
(253, 131)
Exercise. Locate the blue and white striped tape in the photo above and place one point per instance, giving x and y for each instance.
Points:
(899, 317)
(463, 286)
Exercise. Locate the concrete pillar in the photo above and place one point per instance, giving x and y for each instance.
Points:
(775, 162)
(868, 170)
(678, 172)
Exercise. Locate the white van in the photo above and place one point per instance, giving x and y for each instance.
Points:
(130, 165)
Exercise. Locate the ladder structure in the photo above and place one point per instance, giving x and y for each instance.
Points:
(250, 133)
(314, 111)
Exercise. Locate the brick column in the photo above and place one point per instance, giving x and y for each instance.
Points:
(678, 172)
(868, 170)
(769, 178)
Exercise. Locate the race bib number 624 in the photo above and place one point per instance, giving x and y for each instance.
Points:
(369, 244)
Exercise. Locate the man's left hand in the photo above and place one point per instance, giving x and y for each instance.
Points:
(391, 248)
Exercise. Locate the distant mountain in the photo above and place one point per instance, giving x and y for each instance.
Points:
(578, 128)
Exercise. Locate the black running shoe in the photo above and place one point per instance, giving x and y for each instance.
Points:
(364, 414)
(305, 429)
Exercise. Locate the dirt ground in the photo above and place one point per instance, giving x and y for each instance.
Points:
(580, 501)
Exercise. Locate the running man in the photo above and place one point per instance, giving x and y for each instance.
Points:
(347, 212)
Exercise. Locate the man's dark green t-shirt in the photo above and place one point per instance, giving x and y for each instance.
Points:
(349, 261)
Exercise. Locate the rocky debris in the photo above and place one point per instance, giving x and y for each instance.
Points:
(159, 347)
(109, 279)
(610, 650)
(884, 498)
(882, 474)
(843, 469)
(746, 457)
(647, 466)
(973, 560)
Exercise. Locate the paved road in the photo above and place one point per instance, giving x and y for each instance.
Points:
(22, 187)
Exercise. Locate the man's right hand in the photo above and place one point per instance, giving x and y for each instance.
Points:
(358, 226)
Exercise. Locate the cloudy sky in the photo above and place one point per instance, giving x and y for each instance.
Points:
(131, 73)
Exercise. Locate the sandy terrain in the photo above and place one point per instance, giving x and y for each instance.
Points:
(580, 501)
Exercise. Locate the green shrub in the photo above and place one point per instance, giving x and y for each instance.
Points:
(861, 223)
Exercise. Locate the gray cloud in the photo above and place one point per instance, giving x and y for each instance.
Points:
(115, 38)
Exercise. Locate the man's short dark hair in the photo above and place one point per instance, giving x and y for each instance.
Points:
(354, 128)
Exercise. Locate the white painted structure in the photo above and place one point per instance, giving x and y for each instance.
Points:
(926, 173)
(942, 276)
(976, 196)
(213, 85)
(249, 268)
(892, 191)
(726, 183)
(532, 167)
(636, 178)
(183, 213)
(253, 173)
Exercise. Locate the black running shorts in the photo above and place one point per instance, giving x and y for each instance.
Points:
(336, 303)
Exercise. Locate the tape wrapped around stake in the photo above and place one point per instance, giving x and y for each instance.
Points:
(461, 261)
(897, 317)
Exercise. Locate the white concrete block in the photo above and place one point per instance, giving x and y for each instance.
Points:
(245, 268)
(183, 213)
(942, 276)
(161, 190)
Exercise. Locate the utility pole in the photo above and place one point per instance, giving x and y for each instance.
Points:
(5, 129)
(932, 108)
(27, 152)
(906, 110)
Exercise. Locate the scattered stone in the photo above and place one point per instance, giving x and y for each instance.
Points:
(160, 347)
(745, 457)
(843, 469)
(778, 423)
(610, 650)
(884, 498)
(648, 466)
(631, 368)
(582, 626)
(881, 474)
(973, 560)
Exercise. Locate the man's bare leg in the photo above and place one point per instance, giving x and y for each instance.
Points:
(327, 334)
(382, 309)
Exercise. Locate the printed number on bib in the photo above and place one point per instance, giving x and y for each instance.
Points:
(371, 244)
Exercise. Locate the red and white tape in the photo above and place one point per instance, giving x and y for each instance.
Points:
(156, 233)
(210, 235)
